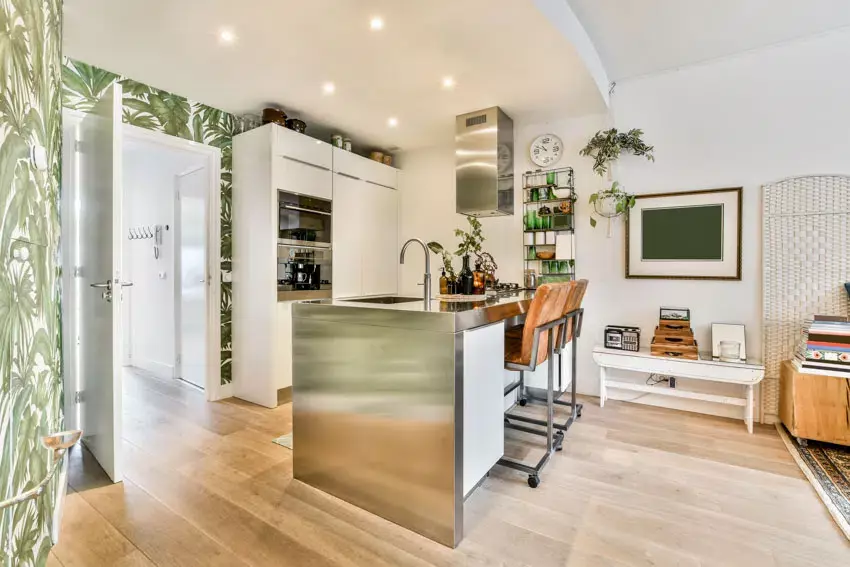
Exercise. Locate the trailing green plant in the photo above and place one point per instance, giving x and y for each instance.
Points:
(622, 202)
(470, 242)
(606, 146)
(446, 256)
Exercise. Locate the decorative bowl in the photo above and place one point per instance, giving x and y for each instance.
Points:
(298, 125)
(274, 115)
(546, 254)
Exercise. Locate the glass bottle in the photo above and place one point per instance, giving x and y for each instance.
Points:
(478, 279)
(444, 283)
(466, 278)
(451, 286)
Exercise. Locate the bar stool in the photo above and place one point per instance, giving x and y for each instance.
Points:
(534, 346)
(574, 316)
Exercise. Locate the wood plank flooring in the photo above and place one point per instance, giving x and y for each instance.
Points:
(634, 485)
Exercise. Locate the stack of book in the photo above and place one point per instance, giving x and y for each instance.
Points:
(825, 347)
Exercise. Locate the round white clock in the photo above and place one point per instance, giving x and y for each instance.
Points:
(546, 150)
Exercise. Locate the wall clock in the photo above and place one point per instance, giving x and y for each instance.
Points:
(546, 150)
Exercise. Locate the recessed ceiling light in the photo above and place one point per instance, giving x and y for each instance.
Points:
(377, 23)
(329, 88)
(226, 35)
(448, 82)
(392, 122)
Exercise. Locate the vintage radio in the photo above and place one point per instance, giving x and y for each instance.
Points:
(622, 338)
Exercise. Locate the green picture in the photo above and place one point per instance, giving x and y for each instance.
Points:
(682, 233)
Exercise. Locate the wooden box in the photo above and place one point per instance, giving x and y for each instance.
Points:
(689, 352)
(674, 324)
(673, 336)
(813, 406)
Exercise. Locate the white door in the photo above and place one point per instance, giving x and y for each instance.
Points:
(191, 257)
(347, 236)
(99, 286)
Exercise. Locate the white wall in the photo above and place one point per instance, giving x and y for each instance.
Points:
(149, 193)
(741, 121)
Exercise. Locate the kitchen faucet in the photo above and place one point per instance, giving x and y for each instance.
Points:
(427, 279)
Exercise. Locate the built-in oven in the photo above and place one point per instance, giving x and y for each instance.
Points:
(304, 221)
(303, 272)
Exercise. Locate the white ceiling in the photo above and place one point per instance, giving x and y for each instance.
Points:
(500, 52)
(639, 37)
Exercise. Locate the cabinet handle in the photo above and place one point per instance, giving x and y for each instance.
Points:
(294, 208)
(306, 163)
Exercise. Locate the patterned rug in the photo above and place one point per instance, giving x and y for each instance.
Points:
(828, 469)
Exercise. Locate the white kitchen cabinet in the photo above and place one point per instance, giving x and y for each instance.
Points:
(301, 147)
(348, 240)
(359, 167)
(380, 240)
(365, 238)
(294, 176)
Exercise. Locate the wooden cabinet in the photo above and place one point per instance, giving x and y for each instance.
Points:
(813, 406)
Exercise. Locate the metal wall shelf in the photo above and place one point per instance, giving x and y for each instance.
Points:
(559, 180)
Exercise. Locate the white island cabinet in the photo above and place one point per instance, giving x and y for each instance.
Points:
(270, 159)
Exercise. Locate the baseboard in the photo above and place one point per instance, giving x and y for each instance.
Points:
(284, 395)
(222, 392)
(158, 369)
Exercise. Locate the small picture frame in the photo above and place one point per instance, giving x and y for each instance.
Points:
(728, 332)
(675, 314)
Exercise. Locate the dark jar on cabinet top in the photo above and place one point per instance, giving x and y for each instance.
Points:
(466, 278)
(478, 279)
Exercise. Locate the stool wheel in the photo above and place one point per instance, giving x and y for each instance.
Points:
(579, 413)
(523, 402)
(533, 480)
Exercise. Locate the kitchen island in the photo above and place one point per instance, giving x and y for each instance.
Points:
(398, 409)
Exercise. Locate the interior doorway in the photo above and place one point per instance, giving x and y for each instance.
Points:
(165, 257)
(166, 199)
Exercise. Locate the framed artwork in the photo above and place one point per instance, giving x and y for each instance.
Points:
(692, 235)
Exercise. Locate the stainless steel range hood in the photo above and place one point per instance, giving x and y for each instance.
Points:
(485, 163)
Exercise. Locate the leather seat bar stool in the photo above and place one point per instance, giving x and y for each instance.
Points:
(535, 346)
(574, 316)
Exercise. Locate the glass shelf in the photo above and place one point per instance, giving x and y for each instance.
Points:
(544, 201)
(548, 230)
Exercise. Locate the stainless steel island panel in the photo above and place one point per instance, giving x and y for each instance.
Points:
(378, 413)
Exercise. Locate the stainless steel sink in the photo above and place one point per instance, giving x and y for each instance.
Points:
(385, 300)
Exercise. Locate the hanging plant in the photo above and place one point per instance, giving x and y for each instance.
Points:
(606, 146)
(611, 203)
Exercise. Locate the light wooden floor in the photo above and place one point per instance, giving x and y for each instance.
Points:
(634, 485)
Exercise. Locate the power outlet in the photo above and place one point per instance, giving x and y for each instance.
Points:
(672, 381)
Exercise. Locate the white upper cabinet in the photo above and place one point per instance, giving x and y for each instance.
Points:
(300, 177)
(357, 166)
(302, 148)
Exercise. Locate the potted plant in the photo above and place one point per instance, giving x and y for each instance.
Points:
(606, 146)
(470, 243)
(611, 203)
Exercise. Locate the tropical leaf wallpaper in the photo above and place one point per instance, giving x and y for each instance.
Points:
(162, 111)
(30, 339)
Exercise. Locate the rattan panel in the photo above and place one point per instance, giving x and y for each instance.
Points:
(806, 262)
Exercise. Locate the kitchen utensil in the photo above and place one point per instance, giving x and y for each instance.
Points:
(377, 156)
(566, 207)
(337, 140)
(545, 254)
(388, 159)
(530, 279)
(346, 144)
(274, 116)
(298, 125)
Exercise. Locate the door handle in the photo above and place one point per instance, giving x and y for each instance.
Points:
(103, 285)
